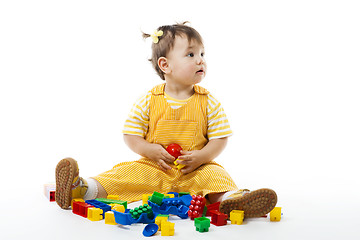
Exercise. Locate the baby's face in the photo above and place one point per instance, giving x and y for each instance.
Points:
(187, 62)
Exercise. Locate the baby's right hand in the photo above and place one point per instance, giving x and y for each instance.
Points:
(157, 153)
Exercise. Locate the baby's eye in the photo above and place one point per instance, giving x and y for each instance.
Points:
(190, 55)
(202, 54)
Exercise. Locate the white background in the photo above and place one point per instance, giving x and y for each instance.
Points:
(286, 72)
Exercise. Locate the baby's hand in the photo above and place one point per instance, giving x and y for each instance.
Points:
(191, 159)
(157, 153)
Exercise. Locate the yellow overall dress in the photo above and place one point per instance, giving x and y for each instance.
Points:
(186, 126)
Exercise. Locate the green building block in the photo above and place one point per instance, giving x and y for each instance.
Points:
(111, 201)
(157, 198)
(202, 224)
(136, 212)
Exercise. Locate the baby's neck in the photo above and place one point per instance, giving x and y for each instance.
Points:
(180, 92)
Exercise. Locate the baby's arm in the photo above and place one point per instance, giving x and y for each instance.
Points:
(194, 159)
(152, 151)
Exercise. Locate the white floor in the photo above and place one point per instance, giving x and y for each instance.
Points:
(31, 215)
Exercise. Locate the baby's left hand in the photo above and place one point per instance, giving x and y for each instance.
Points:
(191, 159)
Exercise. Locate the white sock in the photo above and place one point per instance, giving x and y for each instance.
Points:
(92, 190)
(227, 194)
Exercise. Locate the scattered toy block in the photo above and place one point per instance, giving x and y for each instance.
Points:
(196, 207)
(236, 217)
(157, 198)
(275, 214)
(218, 218)
(202, 224)
(81, 208)
(49, 191)
(167, 228)
(95, 214)
(113, 197)
(110, 218)
(160, 218)
(105, 208)
(112, 201)
(118, 207)
(76, 200)
(211, 207)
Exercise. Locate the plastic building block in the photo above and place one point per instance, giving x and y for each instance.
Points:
(112, 201)
(178, 166)
(145, 197)
(160, 218)
(175, 194)
(76, 200)
(211, 207)
(157, 198)
(183, 193)
(202, 224)
(49, 191)
(126, 218)
(150, 229)
(136, 212)
(95, 214)
(181, 211)
(275, 214)
(236, 217)
(81, 208)
(218, 218)
(167, 228)
(110, 218)
(197, 207)
(113, 197)
(100, 205)
(118, 207)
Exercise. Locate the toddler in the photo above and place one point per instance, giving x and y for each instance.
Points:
(178, 111)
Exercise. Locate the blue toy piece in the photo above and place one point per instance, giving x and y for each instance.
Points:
(180, 211)
(100, 205)
(183, 200)
(150, 229)
(127, 219)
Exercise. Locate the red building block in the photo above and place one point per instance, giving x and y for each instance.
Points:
(212, 207)
(218, 218)
(196, 207)
(81, 208)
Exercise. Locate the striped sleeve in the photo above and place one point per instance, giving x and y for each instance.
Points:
(218, 124)
(137, 122)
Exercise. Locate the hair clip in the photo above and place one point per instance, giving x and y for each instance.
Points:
(156, 36)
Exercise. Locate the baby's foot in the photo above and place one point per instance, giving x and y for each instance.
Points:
(68, 183)
(254, 204)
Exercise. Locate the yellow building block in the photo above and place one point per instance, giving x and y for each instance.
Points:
(275, 214)
(179, 166)
(95, 214)
(113, 197)
(161, 218)
(167, 228)
(110, 218)
(236, 217)
(118, 207)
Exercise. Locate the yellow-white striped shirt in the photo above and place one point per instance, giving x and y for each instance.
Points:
(138, 118)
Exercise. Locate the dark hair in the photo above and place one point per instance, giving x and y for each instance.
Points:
(167, 40)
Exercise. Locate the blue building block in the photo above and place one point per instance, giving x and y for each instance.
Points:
(127, 219)
(180, 211)
(100, 205)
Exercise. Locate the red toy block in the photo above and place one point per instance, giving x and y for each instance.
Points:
(81, 208)
(196, 207)
(212, 207)
(218, 218)
(52, 196)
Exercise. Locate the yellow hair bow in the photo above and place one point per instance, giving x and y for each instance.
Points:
(156, 36)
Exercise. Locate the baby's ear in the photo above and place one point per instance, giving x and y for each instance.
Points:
(163, 64)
